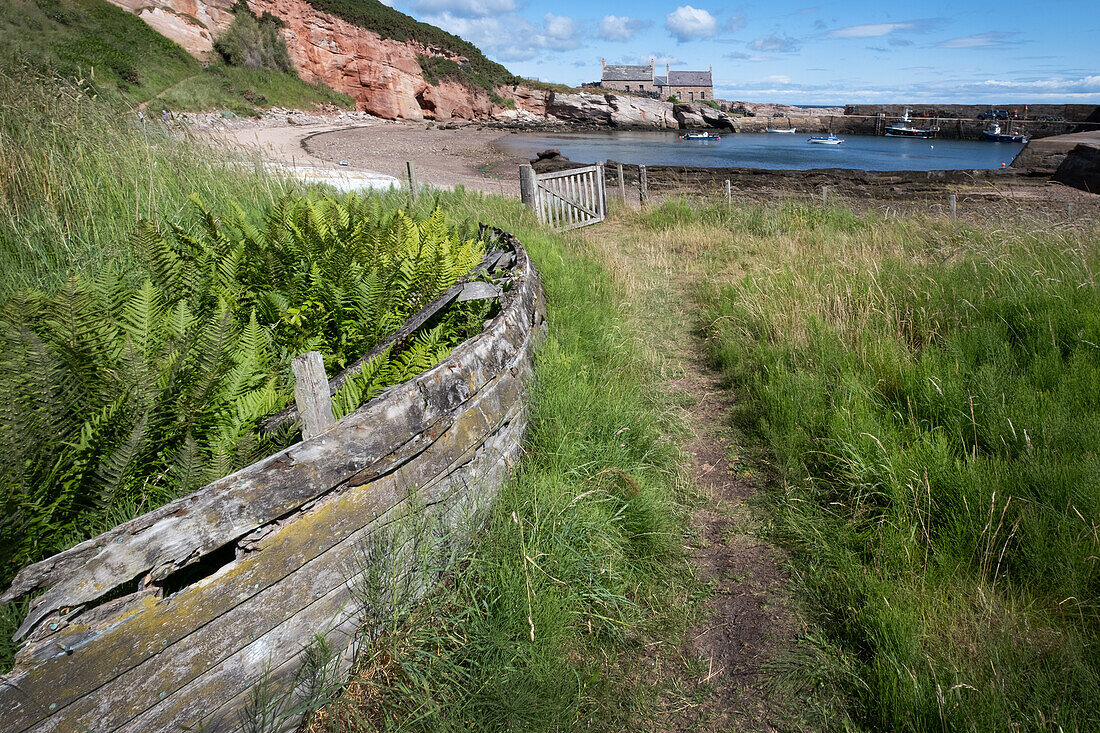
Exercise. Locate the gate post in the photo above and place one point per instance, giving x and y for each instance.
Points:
(527, 185)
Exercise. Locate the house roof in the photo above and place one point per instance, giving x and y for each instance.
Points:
(628, 73)
(685, 79)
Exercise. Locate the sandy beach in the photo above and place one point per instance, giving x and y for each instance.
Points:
(442, 156)
(446, 156)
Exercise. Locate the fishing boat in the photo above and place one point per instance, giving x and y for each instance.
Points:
(701, 137)
(994, 134)
(829, 139)
(904, 128)
(788, 131)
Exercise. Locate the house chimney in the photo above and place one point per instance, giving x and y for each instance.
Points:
(667, 72)
(603, 63)
(711, 68)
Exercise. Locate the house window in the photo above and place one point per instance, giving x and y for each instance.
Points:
(702, 95)
(691, 95)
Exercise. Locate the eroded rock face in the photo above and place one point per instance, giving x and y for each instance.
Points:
(192, 24)
(640, 112)
(583, 108)
(382, 75)
(688, 117)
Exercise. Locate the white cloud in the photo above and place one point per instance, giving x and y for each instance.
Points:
(508, 37)
(465, 8)
(660, 59)
(559, 28)
(620, 27)
(978, 40)
(870, 30)
(775, 43)
(686, 23)
(734, 23)
(1084, 89)
(751, 58)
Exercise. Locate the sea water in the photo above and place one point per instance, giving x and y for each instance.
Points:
(766, 150)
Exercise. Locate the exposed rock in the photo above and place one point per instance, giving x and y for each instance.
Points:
(640, 112)
(548, 154)
(382, 75)
(192, 24)
(688, 116)
(1081, 168)
(716, 118)
(588, 109)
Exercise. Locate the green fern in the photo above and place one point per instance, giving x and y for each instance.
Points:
(125, 390)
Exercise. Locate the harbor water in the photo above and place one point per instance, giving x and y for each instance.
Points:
(765, 150)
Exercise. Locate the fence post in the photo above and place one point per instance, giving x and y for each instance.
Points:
(643, 186)
(1071, 210)
(622, 184)
(824, 197)
(527, 184)
(412, 179)
(952, 201)
(311, 393)
(729, 195)
(601, 188)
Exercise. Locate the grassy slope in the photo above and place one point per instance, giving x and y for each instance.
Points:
(57, 141)
(928, 392)
(123, 57)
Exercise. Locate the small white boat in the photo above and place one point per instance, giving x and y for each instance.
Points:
(825, 140)
(788, 131)
(701, 137)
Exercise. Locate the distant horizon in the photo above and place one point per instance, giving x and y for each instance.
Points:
(788, 52)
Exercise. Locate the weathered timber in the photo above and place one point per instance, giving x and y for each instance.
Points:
(180, 532)
(276, 547)
(311, 395)
(460, 291)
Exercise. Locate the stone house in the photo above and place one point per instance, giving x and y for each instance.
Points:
(628, 78)
(687, 86)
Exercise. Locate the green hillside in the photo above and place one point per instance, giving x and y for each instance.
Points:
(117, 54)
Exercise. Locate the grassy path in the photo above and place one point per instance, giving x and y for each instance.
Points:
(744, 625)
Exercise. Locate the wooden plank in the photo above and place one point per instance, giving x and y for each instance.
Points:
(564, 174)
(218, 691)
(165, 622)
(181, 532)
(527, 185)
(411, 325)
(311, 394)
(622, 183)
(182, 662)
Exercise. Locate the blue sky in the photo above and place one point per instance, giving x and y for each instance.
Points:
(798, 53)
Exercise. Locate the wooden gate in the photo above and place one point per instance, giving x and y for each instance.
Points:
(566, 199)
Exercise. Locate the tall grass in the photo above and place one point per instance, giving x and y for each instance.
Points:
(929, 394)
(542, 627)
(76, 174)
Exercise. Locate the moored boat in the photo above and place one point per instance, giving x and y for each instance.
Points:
(994, 134)
(701, 137)
(904, 128)
(829, 139)
(788, 131)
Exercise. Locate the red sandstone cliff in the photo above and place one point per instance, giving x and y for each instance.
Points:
(382, 75)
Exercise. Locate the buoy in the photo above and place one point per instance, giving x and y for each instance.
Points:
(1002, 165)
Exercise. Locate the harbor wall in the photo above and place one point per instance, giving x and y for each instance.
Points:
(959, 121)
